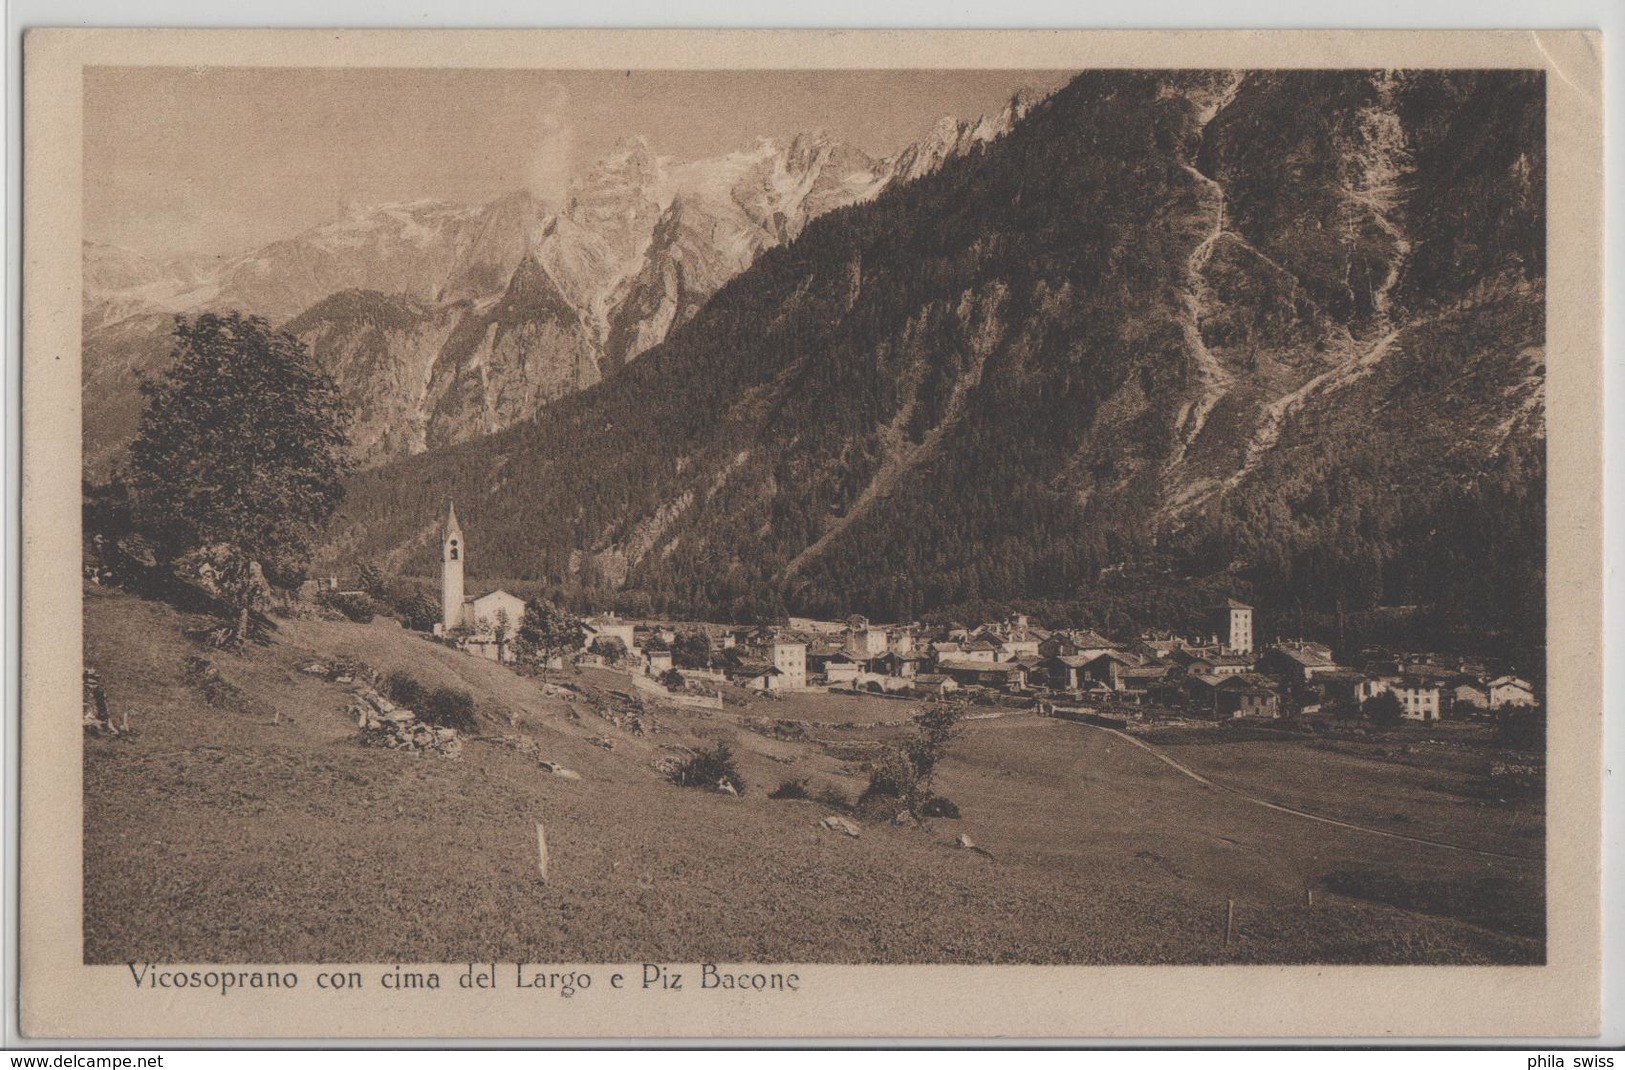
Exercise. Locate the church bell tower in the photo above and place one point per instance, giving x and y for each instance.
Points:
(452, 550)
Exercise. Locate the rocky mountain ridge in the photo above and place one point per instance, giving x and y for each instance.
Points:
(420, 309)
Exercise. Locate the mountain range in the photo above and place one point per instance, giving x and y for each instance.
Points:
(1277, 333)
(445, 322)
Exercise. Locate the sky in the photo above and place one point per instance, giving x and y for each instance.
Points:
(222, 160)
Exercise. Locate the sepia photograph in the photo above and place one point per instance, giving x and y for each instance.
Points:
(1050, 516)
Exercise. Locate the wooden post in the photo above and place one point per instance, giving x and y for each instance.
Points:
(1229, 917)
(1311, 892)
(541, 851)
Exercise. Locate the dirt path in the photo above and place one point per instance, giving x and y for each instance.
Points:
(1256, 801)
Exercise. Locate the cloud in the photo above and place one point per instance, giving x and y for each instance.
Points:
(553, 160)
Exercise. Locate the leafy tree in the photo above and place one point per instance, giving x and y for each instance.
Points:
(371, 579)
(243, 445)
(672, 680)
(692, 651)
(547, 632)
(610, 648)
(1383, 710)
(502, 630)
(420, 612)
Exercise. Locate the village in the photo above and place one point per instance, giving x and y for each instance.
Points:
(1221, 676)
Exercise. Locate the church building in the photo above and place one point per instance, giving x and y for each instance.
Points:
(477, 617)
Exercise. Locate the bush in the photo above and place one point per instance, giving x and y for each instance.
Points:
(355, 605)
(708, 768)
(449, 707)
(834, 798)
(405, 690)
(418, 612)
(1383, 710)
(939, 806)
(891, 780)
(790, 789)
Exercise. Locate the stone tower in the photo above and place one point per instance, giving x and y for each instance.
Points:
(452, 551)
(1238, 616)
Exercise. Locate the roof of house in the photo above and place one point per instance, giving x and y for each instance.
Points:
(930, 678)
(1307, 656)
(1231, 603)
(982, 666)
(1512, 681)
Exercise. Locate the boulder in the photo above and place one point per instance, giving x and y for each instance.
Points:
(841, 824)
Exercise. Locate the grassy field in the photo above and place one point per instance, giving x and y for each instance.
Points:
(263, 832)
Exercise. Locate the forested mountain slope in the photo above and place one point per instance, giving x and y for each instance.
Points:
(1285, 329)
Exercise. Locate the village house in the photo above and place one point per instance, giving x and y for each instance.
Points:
(1065, 672)
(1239, 698)
(842, 669)
(1296, 661)
(1138, 683)
(862, 641)
(1333, 686)
(975, 672)
(1467, 698)
(1418, 697)
(755, 676)
(1220, 664)
(657, 662)
(819, 653)
(981, 648)
(609, 626)
(1106, 666)
(1507, 691)
(898, 664)
(934, 684)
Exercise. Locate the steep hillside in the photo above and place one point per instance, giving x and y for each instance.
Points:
(641, 242)
(1238, 323)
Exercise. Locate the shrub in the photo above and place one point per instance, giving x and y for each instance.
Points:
(790, 789)
(1383, 710)
(449, 707)
(834, 798)
(419, 612)
(708, 768)
(356, 605)
(892, 779)
(672, 680)
(939, 806)
(404, 689)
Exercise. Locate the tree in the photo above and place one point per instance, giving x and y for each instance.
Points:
(692, 651)
(502, 631)
(1383, 709)
(371, 579)
(243, 446)
(610, 648)
(547, 632)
